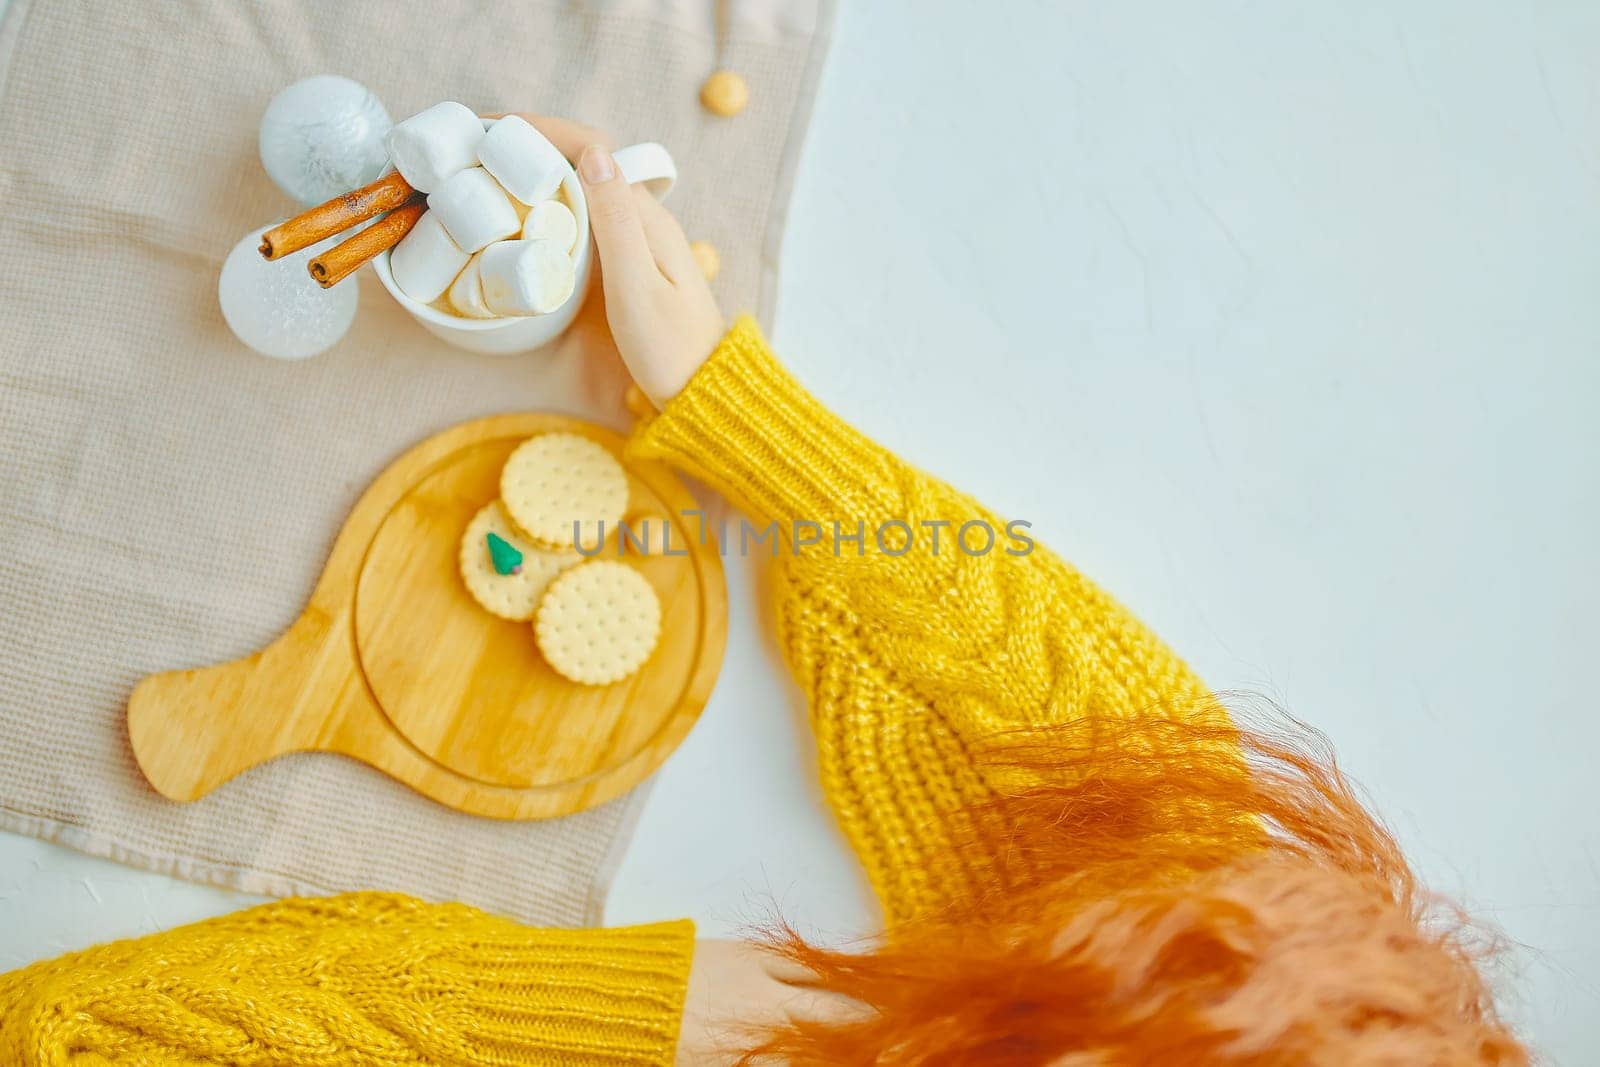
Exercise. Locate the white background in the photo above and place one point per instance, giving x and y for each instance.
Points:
(1281, 319)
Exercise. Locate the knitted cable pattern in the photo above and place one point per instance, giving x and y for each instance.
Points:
(368, 979)
(912, 656)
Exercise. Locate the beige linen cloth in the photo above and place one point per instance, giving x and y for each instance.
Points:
(167, 498)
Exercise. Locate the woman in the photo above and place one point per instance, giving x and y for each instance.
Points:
(1080, 859)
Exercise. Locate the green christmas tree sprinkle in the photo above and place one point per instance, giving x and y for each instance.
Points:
(506, 559)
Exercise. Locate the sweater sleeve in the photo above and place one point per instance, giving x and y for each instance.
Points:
(935, 631)
(357, 979)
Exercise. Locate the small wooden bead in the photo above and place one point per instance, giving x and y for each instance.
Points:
(705, 254)
(724, 93)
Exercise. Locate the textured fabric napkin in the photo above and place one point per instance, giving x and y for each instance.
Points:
(167, 498)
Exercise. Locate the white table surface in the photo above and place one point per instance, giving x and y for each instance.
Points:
(1281, 320)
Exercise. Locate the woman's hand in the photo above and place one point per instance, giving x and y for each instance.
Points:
(661, 311)
(662, 315)
(739, 993)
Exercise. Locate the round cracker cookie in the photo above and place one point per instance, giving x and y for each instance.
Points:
(510, 596)
(556, 480)
(598, 623)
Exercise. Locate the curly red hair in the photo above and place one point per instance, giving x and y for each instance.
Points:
(1176, 894)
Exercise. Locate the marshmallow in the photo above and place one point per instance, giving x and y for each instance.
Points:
(466, 292)
(530, 167)
(525, 277)
(433, 145)
(474, 209)
(426, 260)
(551, 220)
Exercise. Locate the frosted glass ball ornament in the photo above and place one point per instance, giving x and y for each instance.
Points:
(323, 136)
(276, 309)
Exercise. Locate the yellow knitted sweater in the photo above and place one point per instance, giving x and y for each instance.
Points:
(907, 656)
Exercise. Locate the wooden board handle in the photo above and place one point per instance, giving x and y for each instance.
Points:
(193, 730)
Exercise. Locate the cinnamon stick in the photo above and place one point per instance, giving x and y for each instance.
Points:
(340, 213)
(340, 261)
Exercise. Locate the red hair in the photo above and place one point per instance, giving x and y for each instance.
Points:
(1172, 894)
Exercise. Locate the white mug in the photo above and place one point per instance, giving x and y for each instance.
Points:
(649, 164)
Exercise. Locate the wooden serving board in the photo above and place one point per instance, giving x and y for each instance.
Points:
(393, 662)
